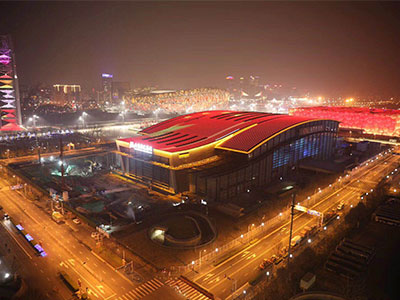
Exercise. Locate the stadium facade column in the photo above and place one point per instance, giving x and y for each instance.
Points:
(172, 182)
(192, 184)
(10, 108)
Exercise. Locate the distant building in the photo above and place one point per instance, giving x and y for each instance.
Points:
(251, 90)
(220, 154)
(10, 108)
(107, 87)
(119, 89)
(370, 120)
(66, 94)
(245, 88)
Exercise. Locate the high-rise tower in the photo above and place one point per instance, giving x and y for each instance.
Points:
(10, 110)
(107, 86)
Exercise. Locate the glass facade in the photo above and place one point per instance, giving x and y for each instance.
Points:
(270, 161)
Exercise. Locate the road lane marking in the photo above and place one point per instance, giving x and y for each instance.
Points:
(100, 288)
(90, 292)
(251, 256)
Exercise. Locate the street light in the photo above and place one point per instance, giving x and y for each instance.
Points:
(200, 258)
(122, 114)
(249, 228)
(33, 119)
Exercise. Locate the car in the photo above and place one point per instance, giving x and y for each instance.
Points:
(278, 260)
(303, 233)
(265, 264)
(295, 241)
(6, 216)
(274, 258)
(94, 234)
(283, 251)
(340, 206)
(76, 221)
(1, 207)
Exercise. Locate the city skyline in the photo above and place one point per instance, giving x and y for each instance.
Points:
(326, 48)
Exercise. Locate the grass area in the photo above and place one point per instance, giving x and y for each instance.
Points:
(180, 227)
(94, 207)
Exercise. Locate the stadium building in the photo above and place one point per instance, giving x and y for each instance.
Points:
(371, 120)
(220, 154)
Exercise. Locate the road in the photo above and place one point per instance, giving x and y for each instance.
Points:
(64, 251)
(234, 273)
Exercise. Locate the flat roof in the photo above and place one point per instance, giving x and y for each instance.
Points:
(229, 130)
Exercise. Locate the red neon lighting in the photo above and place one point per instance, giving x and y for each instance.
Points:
(372, 121)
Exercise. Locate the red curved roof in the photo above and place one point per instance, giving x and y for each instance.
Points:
(236, 130)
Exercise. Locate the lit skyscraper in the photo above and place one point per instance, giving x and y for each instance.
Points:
(107, 86)
(10, 110)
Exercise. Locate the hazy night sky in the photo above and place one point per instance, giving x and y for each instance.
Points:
(329, 48)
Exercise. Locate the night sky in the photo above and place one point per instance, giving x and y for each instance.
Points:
(343, 48)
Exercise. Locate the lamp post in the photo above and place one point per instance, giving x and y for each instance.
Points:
(82, 118)
(200, 257)
(122, 114)
(33, 120)
(291, 230)
(234, 284)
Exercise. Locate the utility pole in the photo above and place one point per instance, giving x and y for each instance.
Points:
(62, 163)
(38, 146)
(291, 230)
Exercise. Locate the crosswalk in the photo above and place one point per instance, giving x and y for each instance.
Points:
(186, 290)
(142, 290)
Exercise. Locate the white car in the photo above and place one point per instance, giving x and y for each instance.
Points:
(340, 206)
(76, 221)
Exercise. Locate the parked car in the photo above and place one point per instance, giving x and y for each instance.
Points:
(76, 221)
(94, 234)
(295, 241)
(278, 260)
(340, 206)
(283, 251)
(265, 264)
(304, 233)
(274, 258)
(6, 216)
(1, 207)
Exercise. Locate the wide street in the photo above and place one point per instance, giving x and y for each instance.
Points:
(64, 253)
(234, 273)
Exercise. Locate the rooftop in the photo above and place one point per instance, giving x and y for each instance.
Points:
(230, 130)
